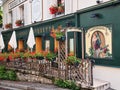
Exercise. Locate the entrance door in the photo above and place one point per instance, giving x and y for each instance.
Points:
(38, 44)
(74, 43)
(21, 45)
(79, 45)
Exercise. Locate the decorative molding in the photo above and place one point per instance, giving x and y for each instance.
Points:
(15, 3)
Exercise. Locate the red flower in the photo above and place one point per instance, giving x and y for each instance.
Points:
(53, 9)
(18, 22)
(105, 50)
(9, 25)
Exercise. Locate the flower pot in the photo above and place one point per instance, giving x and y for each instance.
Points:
(54, 64)
(18, 24)
(58, 39)
(63, 38)
(40, 58)
(53, 59)
(76, 64)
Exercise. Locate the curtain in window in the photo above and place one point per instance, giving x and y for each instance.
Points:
(36, 10)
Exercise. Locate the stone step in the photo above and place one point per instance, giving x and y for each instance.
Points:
(8, 88)
(97, 85)
(100, 84)
(18, 85)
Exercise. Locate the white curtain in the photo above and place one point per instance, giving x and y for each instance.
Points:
(36, 10)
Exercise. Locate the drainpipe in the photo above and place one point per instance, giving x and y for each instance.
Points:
(42, 11)
(83, 54)
(31, 9)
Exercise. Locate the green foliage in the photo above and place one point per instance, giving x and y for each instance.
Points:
(50, 56)
(11, 75)
(2, 72)
(59, 34)
(91, 51)
(37, 55)
(66, 84)
(71, 60)
(21, 55)
(1, 15)
(7, 74)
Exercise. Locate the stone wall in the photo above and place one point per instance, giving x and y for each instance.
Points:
(32, 77)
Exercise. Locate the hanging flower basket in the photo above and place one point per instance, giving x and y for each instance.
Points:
(18, 22)
(8, 25)
(58, 35)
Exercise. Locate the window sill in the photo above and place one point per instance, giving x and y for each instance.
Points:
(60, 15)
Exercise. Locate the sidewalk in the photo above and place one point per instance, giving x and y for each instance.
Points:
(17, 85)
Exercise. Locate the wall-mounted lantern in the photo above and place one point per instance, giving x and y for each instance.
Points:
(95, 15)
(69, 23)
(99, 1)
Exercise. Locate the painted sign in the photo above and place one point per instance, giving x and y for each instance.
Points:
(99, 42)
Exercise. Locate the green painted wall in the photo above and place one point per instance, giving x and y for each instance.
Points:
(109, 15)
(40, 29)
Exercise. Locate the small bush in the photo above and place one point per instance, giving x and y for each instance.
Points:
(7, 74)
(11, 75)
(66, 84)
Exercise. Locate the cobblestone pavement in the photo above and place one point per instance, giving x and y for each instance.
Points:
(17, 85)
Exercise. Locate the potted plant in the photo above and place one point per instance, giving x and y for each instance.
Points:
(3, 56)
(51, 56)
(8, 25)
(72, 60)
(58, 35)
(39, 56)
(18, 22)
(53, 9)
(60, 9)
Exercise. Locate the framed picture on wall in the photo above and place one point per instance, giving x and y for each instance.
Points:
(99, 42)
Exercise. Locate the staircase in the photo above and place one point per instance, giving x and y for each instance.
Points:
(100, 85)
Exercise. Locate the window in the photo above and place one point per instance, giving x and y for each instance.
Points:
(71, 45)
(57, 8)
(10, 17)
(61, 7)
(47, 45)
(22, 13)
(21, 45)
(38, 44)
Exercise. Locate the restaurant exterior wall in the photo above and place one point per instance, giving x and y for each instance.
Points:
(84, 20)
(108, 16)
(38, 10)
(41, 29)
(104, 18)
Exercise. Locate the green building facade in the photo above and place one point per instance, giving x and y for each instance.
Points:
(100, 25)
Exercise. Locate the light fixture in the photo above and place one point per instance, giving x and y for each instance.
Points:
(99, 1)
(95, 15)
(69, 23)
